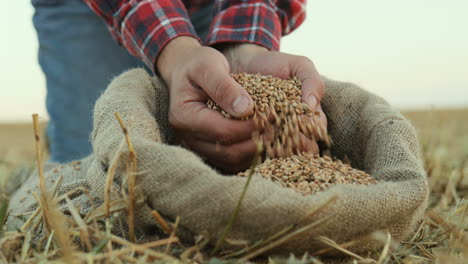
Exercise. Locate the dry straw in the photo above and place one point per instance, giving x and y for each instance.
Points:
(441, 236)
(131, 172)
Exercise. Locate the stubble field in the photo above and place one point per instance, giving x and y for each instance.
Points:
(442, 236)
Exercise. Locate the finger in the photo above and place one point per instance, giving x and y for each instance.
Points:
(210, 125)
(234, 158)
(229, 169)
(308, 145)
(313, 88)
(213, 77)
(312, 128)
(322, 120)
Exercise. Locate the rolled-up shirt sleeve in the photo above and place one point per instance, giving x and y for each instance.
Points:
(261, 22)
(144, 27)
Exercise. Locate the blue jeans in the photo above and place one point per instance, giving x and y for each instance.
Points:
(79, 58)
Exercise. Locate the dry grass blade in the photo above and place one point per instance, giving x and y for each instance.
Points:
(145, 248)
(132, 152)
(43, 199)
(316, 261)
(158, 243)
(53, 218)
(161, 221)
(100, 246)
(115, 206)
(425, 252)
(3, 259)
(40, 169)
(319, 209)
(329, 249)
(185, 256)
(108, 230)
(81, 224)
(49, 241)
(110, 179)
(3, 212)
(228, 227)
(286, 238)
(419, 258)
(57, 223)
(451, 228)
(419, 230)
(30, 219)
(132, 169)
(38, 220)
(173, 234)
(283, 231)
(301, 221)
(385, 250)
(250, 248)
(336, 246)
(26, 246)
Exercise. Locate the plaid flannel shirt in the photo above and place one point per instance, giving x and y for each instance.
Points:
(144, 27)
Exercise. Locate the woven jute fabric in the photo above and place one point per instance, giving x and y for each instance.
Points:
(176, 182)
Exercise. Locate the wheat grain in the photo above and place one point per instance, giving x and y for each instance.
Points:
(307, 173)
(279, 117)
(277, 113)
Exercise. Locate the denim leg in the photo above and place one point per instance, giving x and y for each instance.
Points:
(79, 58)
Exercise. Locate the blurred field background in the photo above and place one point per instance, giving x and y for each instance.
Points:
(446, 130)
(412, 53)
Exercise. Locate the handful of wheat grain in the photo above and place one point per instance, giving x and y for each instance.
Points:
(279, 115)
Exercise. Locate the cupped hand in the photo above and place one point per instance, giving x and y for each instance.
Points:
(251, 58)
(193, 74)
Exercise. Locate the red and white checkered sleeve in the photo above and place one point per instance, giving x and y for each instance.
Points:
(144, 27)
(261, 22)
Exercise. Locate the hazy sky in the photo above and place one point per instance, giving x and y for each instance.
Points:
(413, 53)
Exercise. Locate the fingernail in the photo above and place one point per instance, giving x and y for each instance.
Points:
(312, 102)
(241, 105)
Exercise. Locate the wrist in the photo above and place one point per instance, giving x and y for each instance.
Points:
(238, 54)
(173, 54)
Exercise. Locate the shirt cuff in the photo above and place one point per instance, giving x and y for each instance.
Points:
(151, 26)
(255, 23)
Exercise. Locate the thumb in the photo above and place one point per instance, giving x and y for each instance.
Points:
(223, 89)
(312, 92)
(313, 87)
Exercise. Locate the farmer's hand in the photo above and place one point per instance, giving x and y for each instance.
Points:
(253, 58)
(193, 74)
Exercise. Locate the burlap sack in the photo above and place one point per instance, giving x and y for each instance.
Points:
(176, 182)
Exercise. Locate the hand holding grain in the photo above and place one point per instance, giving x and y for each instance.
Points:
(251, 58)
(193, 74)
